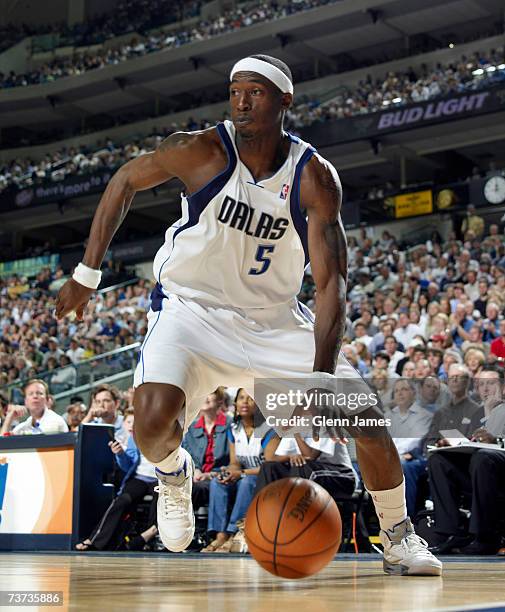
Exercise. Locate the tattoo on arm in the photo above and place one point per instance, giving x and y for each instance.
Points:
(329, 184)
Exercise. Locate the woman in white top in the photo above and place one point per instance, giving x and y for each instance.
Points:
(248, 437)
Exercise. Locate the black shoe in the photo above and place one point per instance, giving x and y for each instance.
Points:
(481, 547)
(453, 543)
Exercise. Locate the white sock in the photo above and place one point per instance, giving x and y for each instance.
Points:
(390, 506)
(171, 465)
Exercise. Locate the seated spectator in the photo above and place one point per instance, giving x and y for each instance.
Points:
(498, 345)
(74, 415)
(474, 360)
(461, 413)
(75, 352)
(409, 424)
(111, 329)
(460, 325)
(383, 385)
(232, 492)
(64, 377)
(432, 395)
(139, 480)
(407, 369)
(42, 419)
(104, 408)
(207, 442)
(303, 457)
(352, 356)
(491, 324)
(391, 348)
(405, 331)
(478, 477)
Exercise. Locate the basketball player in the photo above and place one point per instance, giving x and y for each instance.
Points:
(258, 202)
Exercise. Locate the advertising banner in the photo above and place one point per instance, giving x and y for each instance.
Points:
(412, 204)
(36, 488)
(400, 118)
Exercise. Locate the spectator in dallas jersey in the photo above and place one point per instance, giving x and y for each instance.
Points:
(232, 492)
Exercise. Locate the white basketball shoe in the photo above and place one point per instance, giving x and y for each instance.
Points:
(406, 554)
(176, 521)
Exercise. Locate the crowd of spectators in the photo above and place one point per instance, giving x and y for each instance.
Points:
(425, 326)
(235, 19)
(127, 16)
(34, 345)
(405, 87)
(395, 89)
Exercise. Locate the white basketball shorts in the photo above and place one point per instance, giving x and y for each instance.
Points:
(197, 347)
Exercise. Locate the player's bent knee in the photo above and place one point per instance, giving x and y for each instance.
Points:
(157, 408)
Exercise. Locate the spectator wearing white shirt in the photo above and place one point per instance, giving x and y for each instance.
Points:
(42, 419)
(406, 330)
(409, 425)
(472, 285)
(360, 333)
(75, 352)
(390, 347)
(303, 457)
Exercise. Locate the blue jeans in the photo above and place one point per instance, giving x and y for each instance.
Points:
(220, 499)
(412, 470)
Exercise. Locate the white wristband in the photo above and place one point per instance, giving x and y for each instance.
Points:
(87, 276)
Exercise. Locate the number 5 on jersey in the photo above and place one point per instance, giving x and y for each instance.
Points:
(262, 257)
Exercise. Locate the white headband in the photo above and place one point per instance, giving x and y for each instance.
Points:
(272, 73)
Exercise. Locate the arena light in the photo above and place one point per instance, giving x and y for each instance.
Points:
(501, 66)
(451, 45)
(385, 102)
(397, 100)
(478, 72)
(490, 68)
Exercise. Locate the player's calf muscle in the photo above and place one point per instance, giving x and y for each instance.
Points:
(157, 408)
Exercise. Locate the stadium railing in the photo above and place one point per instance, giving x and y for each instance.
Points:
(88, 372)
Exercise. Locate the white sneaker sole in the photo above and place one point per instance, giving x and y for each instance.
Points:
(424, 569)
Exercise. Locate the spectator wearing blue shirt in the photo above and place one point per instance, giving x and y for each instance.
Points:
(460, 325)
(110, 329)
(491, 324)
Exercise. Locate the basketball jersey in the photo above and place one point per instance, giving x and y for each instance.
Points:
(239, 242)
(249, 451)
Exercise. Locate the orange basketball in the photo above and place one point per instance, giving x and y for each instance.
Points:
(293, 528)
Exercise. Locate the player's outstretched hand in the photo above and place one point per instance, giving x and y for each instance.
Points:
(72, 297)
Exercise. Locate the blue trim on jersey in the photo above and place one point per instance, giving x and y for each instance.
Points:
(145, 343)
(306, 313)
(298, 217)
(230, 436)
(198, 201)
(157, 297)
(267, 437)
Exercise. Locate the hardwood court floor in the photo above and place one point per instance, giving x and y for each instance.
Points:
(187, 583)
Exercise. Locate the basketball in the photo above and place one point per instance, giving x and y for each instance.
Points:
(293, 528)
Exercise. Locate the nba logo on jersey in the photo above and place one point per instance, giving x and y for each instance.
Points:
(284, 191)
